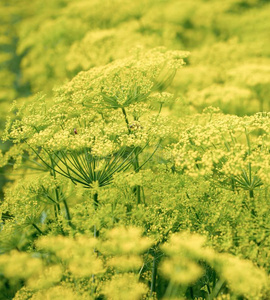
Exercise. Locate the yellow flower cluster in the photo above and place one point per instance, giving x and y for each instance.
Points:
(226, 148)
(125, 244)
(185, 250)
(122, 287)
(78, 255)
(86, 113)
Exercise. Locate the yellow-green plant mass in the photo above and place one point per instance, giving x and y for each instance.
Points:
(135, 149)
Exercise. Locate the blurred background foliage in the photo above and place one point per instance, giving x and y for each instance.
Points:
(43, 45)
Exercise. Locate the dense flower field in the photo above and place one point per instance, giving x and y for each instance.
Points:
(135, 149)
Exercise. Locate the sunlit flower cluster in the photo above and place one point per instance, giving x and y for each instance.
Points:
(232, 150)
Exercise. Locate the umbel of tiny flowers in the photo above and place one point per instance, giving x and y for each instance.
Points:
(126, 81)
(232, 151)
(95, 103)
(123, 83)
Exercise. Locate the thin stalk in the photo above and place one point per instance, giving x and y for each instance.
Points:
(233, 184)
(57, 208)
(136, 160)
(95, 201)
(140, 272)
(93, 290)
(146, 161)
(249, 171)
(51, 167)
(169, 290)
(159, 111)
(154, 277)
(216, 289)
(55, 211)
(137, 187)
(67, 213)
(143, 195)
(57, 202)
(126, 119)
(37, 228)
(138, 194)
(56, 190)
(251, 197)
(95, 232)
(48, 196)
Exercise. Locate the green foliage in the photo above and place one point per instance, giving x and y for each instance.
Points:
(134, 170)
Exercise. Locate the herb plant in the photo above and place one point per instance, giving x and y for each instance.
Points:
(136, 156)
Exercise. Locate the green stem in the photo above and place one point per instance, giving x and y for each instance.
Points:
(126, 119)
(37, 228)
(57, 208)
(160, 108)
(154, 276)
(136, 169)
(233, 184)
(140, 272)
(95, 232)
(136, 164)
(93, 290)
(55, 212)
(251, 197)
(216, 289)
(169, 290)
(95, 201)
(67, 213)
(138, 194)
